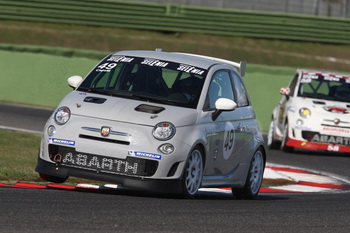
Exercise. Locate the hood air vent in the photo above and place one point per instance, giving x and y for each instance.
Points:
(94, 100)
(149, 109)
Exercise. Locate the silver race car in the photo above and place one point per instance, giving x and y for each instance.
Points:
(157, 121)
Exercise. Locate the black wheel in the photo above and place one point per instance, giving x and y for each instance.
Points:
(271, 142)
(284, 147)
(53, 179)
(254, 178)
(193, 174)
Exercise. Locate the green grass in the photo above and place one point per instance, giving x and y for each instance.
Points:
(18, 155)
(38, 79)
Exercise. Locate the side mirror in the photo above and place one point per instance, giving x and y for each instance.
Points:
(74, 81)
(222, 105)
(285, 91)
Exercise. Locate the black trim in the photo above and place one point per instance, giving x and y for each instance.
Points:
(154, 185)
(103, 139)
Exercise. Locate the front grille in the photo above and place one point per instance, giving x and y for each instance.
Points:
(130, 166)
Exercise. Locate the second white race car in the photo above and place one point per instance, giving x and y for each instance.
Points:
(313, 113)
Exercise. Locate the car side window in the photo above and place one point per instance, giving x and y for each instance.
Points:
(220, 87)
(241, 92)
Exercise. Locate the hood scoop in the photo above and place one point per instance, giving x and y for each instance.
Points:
(319, 102)
(149, 109)
(94, 100)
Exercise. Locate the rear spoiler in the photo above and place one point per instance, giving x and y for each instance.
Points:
(241, 66)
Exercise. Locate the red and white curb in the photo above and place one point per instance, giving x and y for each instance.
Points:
(277, 179)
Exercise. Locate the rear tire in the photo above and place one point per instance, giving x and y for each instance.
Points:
(53, 179)
(193, 174)
(254, 178)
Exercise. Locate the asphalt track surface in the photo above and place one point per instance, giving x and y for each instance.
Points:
(56, 210)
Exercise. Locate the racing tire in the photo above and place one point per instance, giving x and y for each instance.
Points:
(284, 147)
(254, 178)
(271, 143)
(53, 179)
(193, 174)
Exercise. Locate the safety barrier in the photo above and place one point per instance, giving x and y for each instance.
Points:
(179, 18)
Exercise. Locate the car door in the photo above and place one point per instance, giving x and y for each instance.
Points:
(224, 134)
(247, 125)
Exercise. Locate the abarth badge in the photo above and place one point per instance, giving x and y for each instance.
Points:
(105, 131)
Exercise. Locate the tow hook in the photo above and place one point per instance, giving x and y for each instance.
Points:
(58, 160)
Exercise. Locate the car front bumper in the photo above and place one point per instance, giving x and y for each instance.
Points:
(316, 146)
(137, 183)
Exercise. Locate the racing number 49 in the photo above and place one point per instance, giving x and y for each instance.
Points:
(229, 140)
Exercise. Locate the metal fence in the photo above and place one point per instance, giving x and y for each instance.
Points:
(326, 8)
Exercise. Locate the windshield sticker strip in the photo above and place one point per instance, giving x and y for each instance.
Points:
(190, 69)
(117, 58)
(154, 62)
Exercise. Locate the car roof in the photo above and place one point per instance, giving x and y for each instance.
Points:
(324, 73)
(189, 59)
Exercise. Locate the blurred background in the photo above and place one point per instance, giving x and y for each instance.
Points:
(43, 42)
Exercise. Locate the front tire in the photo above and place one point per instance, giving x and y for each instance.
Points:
(271, 142)
(254, 178)
(193, 174)
(284, 147)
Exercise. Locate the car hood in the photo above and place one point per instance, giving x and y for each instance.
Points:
(324, 107)
(127, 110)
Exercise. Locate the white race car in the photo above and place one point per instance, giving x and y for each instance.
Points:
(313, 113)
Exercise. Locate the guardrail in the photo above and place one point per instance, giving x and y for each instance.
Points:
(179, 18)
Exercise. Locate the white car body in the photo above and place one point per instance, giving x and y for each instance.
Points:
(140, 131)
(313, 114)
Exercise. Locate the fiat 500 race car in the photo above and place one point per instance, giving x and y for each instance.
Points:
(157, 121)
(313, 113)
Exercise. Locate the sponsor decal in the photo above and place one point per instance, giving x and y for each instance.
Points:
(338, 130)
(331, 139)
(144, 154)
(100, 163)
(118, 58)
(62, 141)
(330, 78)
(190, 69)
(154, 62)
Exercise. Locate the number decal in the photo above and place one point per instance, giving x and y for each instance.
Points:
(229, 140)
(106, 67)
(333, 148)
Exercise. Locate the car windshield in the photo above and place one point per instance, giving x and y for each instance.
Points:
(146, 79)
(325, 87)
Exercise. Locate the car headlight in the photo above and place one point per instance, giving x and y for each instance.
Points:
(305, 112)
(164, 131)
(62, 115)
